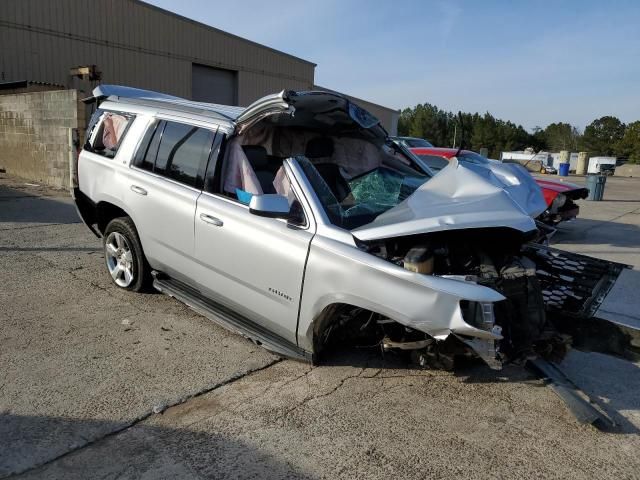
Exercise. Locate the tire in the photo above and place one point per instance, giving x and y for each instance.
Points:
(124, 258)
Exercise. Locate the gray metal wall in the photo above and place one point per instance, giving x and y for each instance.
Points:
(135, 44)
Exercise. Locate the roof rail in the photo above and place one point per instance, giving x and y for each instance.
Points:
(148, 97)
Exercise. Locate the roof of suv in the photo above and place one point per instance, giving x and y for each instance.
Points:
(138, 96)
(318, 108)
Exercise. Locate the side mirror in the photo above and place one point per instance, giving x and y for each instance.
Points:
(269, 205)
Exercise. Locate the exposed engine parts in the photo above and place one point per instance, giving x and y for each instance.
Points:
(534, 279)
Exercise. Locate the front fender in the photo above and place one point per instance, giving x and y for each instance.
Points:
(339, 273)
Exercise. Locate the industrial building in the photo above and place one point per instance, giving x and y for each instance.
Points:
(133, 43)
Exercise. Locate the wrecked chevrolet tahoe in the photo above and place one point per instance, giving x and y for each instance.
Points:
(298, 223)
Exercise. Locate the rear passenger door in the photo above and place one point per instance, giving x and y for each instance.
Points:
(165, 181)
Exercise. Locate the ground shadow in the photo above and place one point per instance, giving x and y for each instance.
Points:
(620, 386)
(56, 447)
(22, 207)
(611, 382)
(582, 231)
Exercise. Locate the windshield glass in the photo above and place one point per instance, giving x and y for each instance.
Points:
(352, 203)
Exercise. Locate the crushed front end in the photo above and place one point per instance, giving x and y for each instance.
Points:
(538, 283)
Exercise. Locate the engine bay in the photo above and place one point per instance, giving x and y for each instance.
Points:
(541, 286)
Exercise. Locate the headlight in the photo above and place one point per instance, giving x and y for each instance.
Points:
(558, 202)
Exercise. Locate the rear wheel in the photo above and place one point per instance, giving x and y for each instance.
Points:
(123, 255)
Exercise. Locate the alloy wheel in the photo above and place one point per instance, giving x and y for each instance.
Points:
(119, 259)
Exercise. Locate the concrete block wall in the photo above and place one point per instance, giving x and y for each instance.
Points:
(35, 133)
(628, 170)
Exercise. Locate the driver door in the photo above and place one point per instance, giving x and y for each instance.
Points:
(251, 264)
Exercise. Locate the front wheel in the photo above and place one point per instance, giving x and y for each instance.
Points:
(124, 257)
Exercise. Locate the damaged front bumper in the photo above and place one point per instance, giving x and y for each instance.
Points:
(487, 349)
(559, 285)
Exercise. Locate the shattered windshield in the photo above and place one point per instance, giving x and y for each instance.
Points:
(352, 203)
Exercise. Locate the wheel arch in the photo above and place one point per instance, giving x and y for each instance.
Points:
(331, 314)
(107, 211)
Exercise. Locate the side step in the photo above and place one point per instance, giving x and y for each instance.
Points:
(578, 402)
(227, 318)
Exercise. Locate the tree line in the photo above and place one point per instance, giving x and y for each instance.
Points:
(604, 136)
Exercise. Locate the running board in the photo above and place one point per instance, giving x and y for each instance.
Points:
(227, 318)
(578, 402)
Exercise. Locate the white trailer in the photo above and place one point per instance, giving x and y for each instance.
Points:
(573, 161)
(533, 162)
(602, 165)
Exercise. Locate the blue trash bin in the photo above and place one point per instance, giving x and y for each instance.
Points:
(563, 169)
(595, 184)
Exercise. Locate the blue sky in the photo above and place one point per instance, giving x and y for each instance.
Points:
(532, 62)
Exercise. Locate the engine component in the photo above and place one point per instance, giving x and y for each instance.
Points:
(388, 344)
(522, 316)
(419, 259)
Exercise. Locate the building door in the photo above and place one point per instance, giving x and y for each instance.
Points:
(214, 85)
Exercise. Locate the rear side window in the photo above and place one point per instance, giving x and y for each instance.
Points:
(106, 131)
(177, 151)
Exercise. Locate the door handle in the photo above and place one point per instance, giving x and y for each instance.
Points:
(211, 220)
(138, 190)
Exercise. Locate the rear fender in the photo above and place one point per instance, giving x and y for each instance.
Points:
(87, 210)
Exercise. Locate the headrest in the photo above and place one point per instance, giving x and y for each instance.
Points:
(257, 155)
(319, 147)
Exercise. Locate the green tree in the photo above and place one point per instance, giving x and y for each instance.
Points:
(629, 145)
(471, 130)
(561, 136)
(602, 135)
(429, 122)
(539, 139)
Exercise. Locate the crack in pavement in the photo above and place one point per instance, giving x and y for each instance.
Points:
(40, 225)
(308, 399)
(140, 418)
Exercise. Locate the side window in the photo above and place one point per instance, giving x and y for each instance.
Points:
(183, 153)
(282, 185)
(148, 149)
(106, 131)
(177, 151)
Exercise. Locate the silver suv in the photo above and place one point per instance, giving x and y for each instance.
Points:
(297, 222)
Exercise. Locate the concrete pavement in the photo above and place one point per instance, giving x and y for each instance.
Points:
(83, 365)
(79, 358)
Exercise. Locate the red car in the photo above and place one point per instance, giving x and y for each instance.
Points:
(559, 196)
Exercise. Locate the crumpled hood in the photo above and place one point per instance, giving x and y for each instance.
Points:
(456, 198)
(516, 180)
